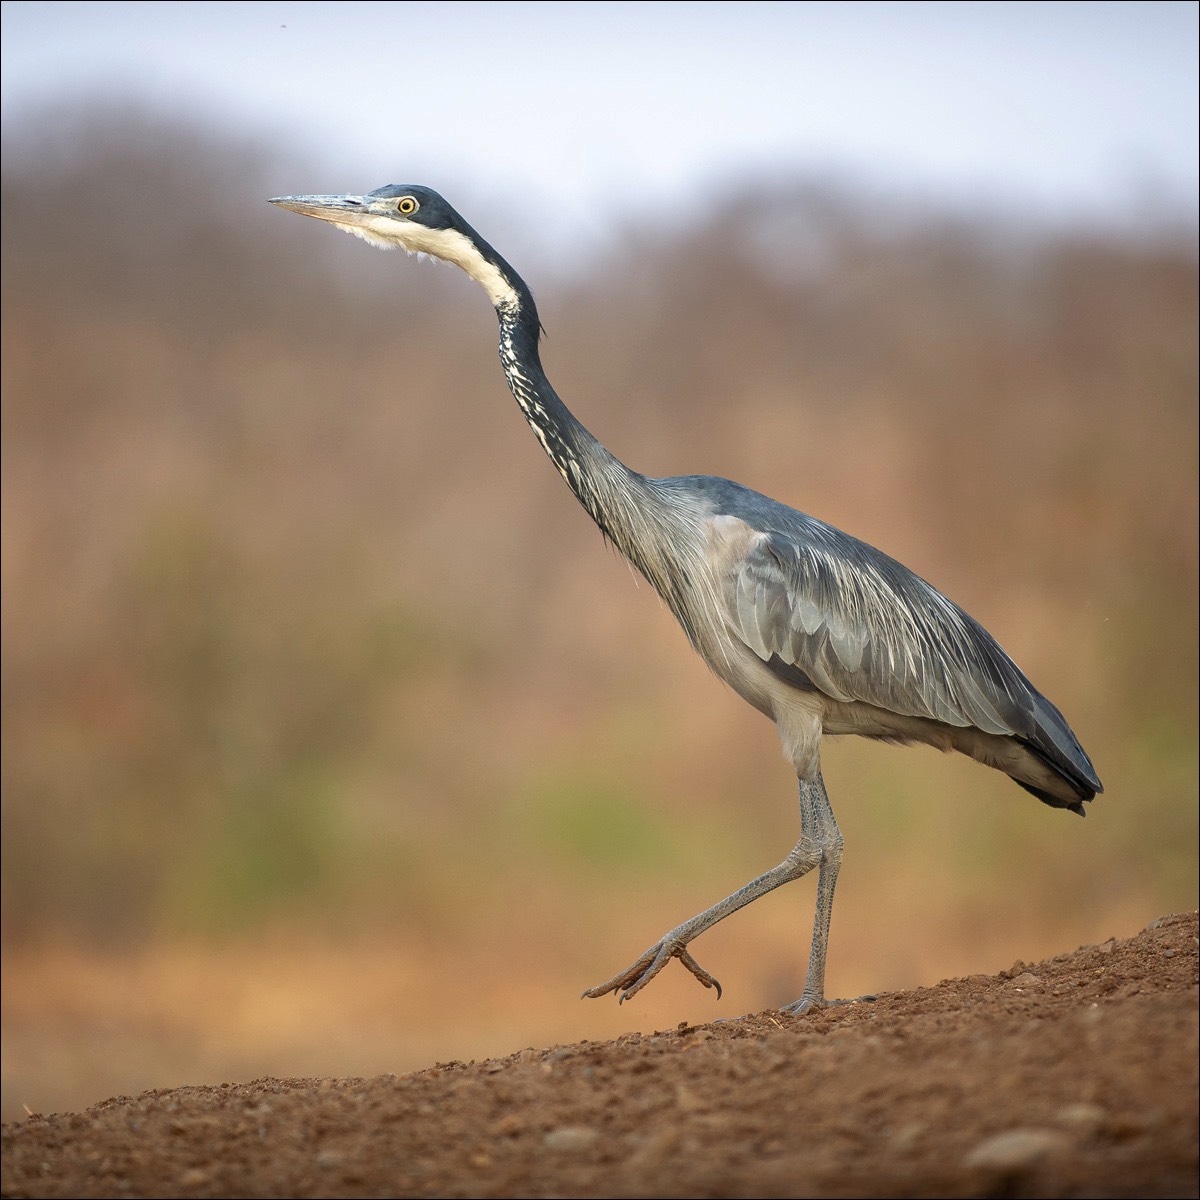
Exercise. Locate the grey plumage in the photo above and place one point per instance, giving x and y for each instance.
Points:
(819, 631)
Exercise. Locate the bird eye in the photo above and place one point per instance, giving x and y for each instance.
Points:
(406, 205)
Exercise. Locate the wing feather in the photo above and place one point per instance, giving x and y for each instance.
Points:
(864, 628)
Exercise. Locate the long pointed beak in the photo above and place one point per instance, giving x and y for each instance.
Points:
(341, 210)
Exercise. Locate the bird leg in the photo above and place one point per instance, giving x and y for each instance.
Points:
(820, 846)
(818, 823)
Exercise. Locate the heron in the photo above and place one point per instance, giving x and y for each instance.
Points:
(821, 632)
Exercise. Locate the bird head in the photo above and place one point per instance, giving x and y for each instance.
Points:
(415, 219)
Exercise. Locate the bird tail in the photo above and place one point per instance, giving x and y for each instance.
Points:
(1056, 748)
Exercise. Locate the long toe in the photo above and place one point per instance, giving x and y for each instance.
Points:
(808, 1003)
(805, 1004)
(629, 982)
(709, 981)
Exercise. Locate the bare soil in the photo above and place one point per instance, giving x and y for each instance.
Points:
(1076, 1076)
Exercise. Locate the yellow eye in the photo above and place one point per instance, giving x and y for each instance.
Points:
(406, 206)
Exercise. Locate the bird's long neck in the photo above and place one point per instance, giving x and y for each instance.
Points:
(632, 512)
(608, 489)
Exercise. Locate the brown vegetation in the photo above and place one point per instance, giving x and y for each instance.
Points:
(305, 646)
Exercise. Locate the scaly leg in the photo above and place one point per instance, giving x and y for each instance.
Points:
(817, 821)
(820, 846)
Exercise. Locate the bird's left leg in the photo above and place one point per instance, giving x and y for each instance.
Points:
(819, 846)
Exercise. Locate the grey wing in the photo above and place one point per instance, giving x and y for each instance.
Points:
(825, 610)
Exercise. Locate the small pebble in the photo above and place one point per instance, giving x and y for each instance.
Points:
(1085, 1117)
(1015, 1150)
(570, 1137)
(1026, 979)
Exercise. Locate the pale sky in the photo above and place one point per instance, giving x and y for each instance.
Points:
(1061, 110)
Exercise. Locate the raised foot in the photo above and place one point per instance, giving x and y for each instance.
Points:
(807, 1004)
(629, 982)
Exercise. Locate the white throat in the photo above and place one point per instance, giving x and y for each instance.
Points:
(446, 244)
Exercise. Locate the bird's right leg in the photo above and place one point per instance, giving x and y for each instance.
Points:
(818, 823)
(820, 845)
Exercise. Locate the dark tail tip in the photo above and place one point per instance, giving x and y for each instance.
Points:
(1075, 806)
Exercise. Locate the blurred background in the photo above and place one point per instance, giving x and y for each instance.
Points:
(335, 742)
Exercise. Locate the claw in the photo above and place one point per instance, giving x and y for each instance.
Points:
(631, 981)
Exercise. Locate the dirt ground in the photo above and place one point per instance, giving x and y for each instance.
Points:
(1076, 1076)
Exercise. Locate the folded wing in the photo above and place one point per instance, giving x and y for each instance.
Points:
(825, 610)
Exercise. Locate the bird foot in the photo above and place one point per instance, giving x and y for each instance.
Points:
(629, 982)
(807, 1004)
